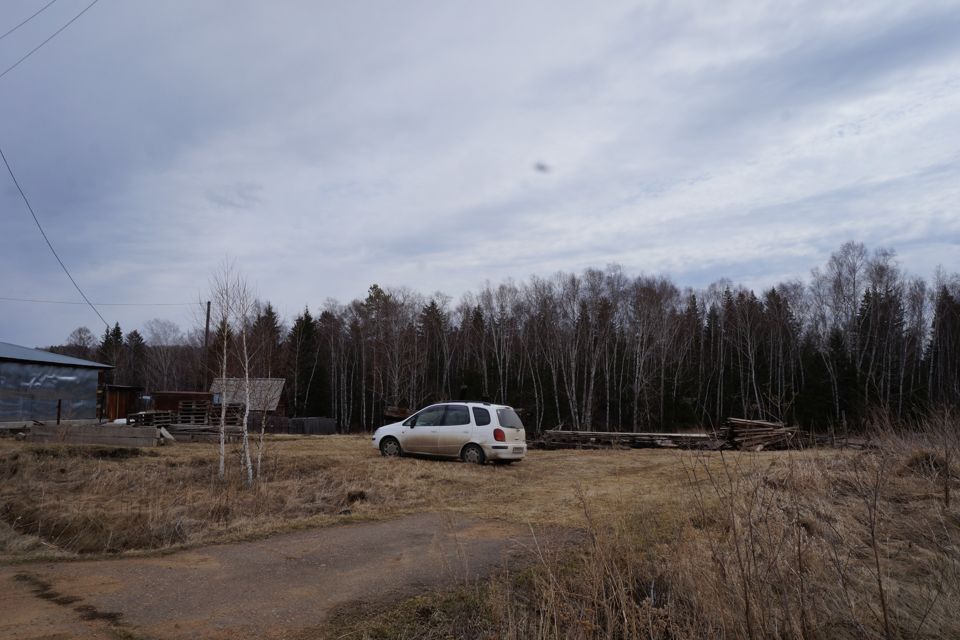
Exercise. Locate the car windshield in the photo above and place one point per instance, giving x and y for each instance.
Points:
(509, 418)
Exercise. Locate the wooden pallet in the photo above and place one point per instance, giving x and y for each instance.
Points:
(193, 412)
(150, 419)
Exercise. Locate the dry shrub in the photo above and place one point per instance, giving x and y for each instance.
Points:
(611, 587)
(459, 613)
(927, 463)
(815, 544)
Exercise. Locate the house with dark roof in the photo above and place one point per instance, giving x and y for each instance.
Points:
(37, 385)
(265, 393)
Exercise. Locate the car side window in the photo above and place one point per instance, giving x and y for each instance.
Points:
(429, 417)
(457, 414)
(482, 416)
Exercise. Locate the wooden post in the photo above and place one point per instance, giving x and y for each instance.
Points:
(206, 341)
(59, 401)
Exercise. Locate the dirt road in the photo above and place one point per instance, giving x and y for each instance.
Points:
(273, 588)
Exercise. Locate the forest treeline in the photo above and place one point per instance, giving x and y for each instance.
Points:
(596, 350)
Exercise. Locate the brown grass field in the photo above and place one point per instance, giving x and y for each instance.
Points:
(812, 544)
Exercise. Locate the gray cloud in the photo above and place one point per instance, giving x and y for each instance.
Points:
(330, 146)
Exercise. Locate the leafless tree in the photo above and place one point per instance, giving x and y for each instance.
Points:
(164, 340)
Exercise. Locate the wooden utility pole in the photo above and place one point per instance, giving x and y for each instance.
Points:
(206, 341)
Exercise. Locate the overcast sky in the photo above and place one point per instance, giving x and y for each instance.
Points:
(327, 146)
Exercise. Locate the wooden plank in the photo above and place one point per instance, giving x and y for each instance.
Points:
(109, 435)
(627, 434)
(95, 440)
(67, 435)
(746, 422)
(96, 429)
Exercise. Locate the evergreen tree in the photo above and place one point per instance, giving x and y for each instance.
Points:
(134, 359)
(266, 339)
(110, 351)
(943, 352)
(302, 364)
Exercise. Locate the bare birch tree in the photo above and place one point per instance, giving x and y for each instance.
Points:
(223, 299)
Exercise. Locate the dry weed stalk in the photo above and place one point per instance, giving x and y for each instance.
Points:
(803, 544)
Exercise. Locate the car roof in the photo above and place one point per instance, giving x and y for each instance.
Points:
(472, 403)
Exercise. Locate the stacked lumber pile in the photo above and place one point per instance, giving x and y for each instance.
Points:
(114, 435)
(150, 419)
(205, 427)
(193, 412)
(559, 439)
(756, 435)
(234, 417)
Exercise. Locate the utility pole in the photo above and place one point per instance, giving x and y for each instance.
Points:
(206, 341)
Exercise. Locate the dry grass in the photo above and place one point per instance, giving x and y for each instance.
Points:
(815, 544)
(820, 544)
(58, 501)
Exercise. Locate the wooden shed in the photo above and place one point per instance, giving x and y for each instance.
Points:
(117, 401)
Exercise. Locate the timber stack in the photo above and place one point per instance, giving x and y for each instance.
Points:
(559, 439)
(757, 435)
(199, 421)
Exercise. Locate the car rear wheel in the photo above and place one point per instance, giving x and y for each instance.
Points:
(472, 454)
(390, 448)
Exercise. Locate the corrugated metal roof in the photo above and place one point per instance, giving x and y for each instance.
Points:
(264, 392)
(26, 354)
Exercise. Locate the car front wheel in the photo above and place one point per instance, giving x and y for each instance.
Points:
(390, 448)
(473, 454)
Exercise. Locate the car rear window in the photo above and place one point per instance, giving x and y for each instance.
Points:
(509, 418)
(482, 416)
(456, 414)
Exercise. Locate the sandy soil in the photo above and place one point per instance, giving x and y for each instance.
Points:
(271, 588)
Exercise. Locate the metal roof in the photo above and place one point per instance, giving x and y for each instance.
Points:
(26, 354)
(264, 392)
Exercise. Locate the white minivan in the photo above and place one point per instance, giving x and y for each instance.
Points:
(472, 431)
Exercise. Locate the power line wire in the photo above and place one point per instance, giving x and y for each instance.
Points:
(103, 304)
(55, 34)
(43, 233)
(39, 11)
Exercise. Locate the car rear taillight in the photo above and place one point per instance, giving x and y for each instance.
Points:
(499, 435)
